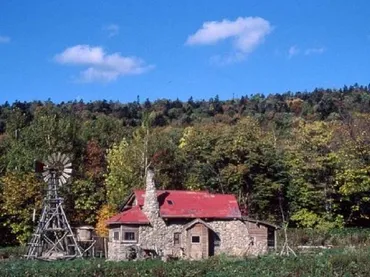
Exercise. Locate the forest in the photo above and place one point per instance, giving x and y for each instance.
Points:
(299, 156)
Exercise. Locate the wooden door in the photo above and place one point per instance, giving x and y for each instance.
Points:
(197, 242)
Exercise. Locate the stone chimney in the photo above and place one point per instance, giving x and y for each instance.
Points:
(151, 206)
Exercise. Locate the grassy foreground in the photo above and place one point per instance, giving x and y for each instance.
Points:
(347, 262)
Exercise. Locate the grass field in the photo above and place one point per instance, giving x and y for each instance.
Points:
(335, 262)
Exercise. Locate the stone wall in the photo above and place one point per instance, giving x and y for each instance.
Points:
(116, 251)
(160, 236)
(151, 206)
(235, 239)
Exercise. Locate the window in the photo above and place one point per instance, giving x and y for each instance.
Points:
(176, 238)
(129, 236)
(271, 237)
(216, 239)
(195, 239)
(251, 241)
(115, 235)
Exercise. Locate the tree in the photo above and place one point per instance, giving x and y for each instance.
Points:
(21, 194)
(238, 159)
(353, 176)
(87, 196)
(312, 162)
(104, 213)
(123, 172)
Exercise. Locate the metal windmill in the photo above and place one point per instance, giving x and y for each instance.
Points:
(53, 237)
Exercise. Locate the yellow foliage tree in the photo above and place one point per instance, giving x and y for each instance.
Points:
(21, 193)
(105, 212)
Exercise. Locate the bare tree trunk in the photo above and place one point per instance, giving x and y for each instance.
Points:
(285, 250)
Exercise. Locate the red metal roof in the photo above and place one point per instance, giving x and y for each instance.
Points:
(132, 215)
(193, 204)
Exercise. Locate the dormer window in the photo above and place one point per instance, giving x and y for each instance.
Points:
(169, 202)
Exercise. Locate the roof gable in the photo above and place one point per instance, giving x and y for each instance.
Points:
(195, 221)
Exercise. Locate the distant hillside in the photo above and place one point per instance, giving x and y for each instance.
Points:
(320, 104)
(304, 153)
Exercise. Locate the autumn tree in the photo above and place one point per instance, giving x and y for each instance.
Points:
(353, 176)
(312, 162)
(21, 194)
(238, 159)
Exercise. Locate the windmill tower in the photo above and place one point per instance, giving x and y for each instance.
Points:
(53, 238)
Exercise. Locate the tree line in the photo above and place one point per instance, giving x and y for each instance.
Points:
(306, 154)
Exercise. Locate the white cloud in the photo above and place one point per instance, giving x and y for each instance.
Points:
(293, 50)
(310, 51)
(4, 39)
(101, 66)
(112, 30)
(246, 32)
(94, 74)
(227, 59)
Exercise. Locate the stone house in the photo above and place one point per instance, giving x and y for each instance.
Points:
(185, 224)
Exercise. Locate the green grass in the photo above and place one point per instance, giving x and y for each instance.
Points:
(12, 252)
(345, 262)
(358, 237)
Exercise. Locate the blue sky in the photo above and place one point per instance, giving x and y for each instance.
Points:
(116, 50)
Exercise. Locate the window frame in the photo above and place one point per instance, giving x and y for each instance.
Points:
(216, 239)
(176, 238)
(114, 236)
(125, 233)
(192, 239)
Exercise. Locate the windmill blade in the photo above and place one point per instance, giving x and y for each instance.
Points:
(55, 157)
(68, 170)
(45, 173)
(65, 175)
(47, 178)
(62, 180)
(52, 158)
(64, 159)
(48, 161)
(58, 156)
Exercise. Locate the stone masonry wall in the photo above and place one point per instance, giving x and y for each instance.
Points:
(234, 236)
(160, 236)
(151, 206)
(235, 239)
